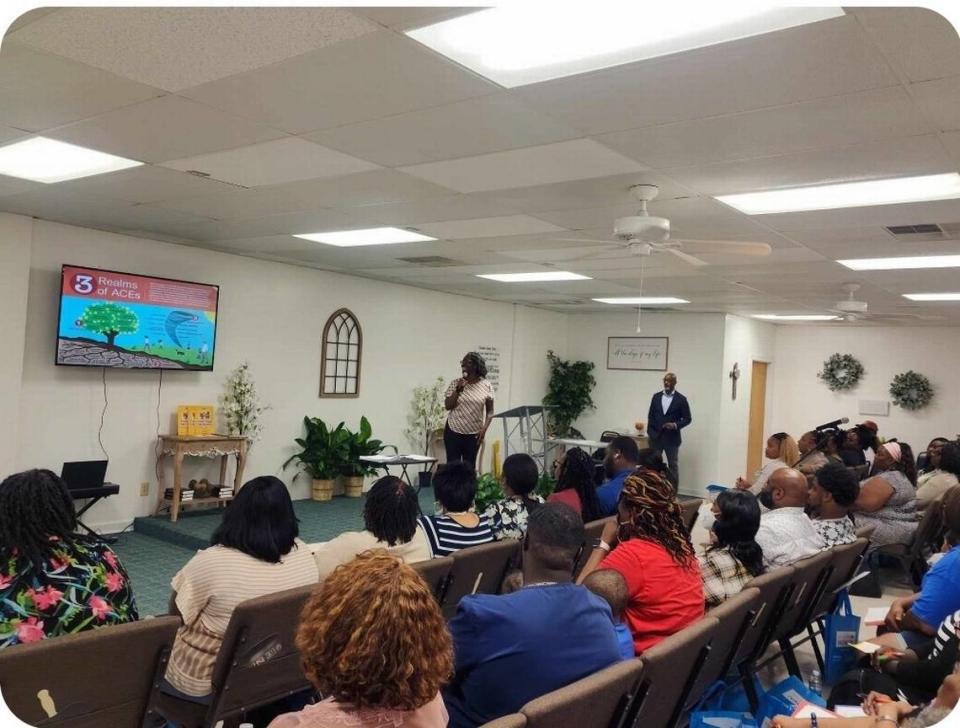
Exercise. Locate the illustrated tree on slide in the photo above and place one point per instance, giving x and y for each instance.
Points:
(109, 319)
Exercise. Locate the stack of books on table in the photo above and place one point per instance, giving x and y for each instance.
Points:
(185, 495)
(226, 491)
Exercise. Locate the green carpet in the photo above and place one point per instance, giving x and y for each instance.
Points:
(157, 548)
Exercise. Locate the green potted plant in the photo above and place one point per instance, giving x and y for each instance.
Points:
(359, 444)
(322, 455)
(568, 393)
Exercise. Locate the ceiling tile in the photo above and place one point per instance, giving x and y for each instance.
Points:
(9, 134)
(162, 129)
(922, 43)
(828, 58)
(176, 48)
(366, 78)
(289, 224)
(274, 162)
(26, 18)
(487, 227)
(15, 185)
(915, 213)
(145, 184)
(437, 209)
(365, 188)
(560, 162)
(400, 18)
(941, 98)
(467, 128)
(39, 91)
(823, 123)
(951, 140)
(892, 158)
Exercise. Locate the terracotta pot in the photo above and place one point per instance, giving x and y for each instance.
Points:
(322, 490)
(353, 486)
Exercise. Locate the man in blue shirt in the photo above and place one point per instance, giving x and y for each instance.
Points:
(918, 616)
(512, 648)
(621, 460)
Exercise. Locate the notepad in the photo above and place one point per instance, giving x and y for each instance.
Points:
(867, 648)
(876, 616)
(806, 709)
(849, 711)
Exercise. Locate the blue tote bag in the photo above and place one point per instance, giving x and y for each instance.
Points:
(841, 629)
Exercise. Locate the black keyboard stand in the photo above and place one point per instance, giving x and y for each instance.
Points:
(93, 496)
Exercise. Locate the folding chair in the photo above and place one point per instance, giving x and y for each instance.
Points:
(514, 720)
(809, 578)
(670, 670)
(734, 616)
(690, 509)
(101, 677)
(775, 587)
(592, 530)
(435, 572)
(258, 663)
(477, 570)
(598, 700)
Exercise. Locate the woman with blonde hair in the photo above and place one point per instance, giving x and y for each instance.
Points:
(782, 452)
(373, 640)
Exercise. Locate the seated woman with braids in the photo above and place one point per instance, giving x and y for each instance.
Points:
(576, 487)
(53, 581)
(650, 547)
(735, 557)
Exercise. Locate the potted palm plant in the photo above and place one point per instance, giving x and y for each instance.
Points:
(359, 444)
(322, 455)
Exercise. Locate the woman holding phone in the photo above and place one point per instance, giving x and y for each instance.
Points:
(469, 403)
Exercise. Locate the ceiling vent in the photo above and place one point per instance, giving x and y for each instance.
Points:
(926, 231)
(431, 261)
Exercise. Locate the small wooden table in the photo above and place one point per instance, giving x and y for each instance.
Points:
(210, 446)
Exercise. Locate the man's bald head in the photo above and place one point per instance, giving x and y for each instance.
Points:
(788, 488)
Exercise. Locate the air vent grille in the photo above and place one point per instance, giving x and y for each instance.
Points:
(431, 261)
(925, 231)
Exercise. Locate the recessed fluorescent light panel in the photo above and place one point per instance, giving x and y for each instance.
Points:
(559, 275)
(370, 236)
(642, 301)
(48, 160)
(521, 43)
(848, 194)
(903, 263)
(932, 296)
(795, 317)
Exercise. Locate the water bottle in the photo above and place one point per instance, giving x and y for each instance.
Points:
(815, 683)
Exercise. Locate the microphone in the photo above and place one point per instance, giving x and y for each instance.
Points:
(832, 425)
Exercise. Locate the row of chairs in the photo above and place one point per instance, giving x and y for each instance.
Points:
(112, 676)
(661, 687)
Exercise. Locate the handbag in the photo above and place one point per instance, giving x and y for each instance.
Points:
(841, 629)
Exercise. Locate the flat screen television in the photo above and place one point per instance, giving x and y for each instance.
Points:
(128, 321)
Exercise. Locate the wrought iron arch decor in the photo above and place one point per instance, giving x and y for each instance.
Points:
(342, 349)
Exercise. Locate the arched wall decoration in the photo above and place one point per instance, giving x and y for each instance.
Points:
(342, 349)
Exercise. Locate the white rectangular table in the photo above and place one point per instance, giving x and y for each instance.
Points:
(385, 461)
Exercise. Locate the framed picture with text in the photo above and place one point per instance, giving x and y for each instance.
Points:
(638, 353)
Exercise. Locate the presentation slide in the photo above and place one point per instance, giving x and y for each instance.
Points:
(110, 319)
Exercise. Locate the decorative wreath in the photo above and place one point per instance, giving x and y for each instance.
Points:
(911, 390)
(841, 372)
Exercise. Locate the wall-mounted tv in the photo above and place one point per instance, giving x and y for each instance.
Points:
(112, 319)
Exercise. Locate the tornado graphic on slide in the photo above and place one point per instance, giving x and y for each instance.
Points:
(174, 319)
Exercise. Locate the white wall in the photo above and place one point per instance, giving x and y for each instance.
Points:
(271, 315)
(802, 401)
(15, 232)
(623, 397)
(744, 341)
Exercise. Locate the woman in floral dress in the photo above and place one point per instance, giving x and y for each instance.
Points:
(53, 581)
(508, 517)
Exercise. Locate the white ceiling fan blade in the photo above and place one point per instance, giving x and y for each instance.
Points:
(686, 258)
(608, 241)
(725, 247)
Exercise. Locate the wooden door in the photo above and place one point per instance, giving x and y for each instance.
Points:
(756, 439)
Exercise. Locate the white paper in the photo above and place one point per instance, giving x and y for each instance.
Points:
(806, 709)
(876, 616)
(867, 648)
(849, 711)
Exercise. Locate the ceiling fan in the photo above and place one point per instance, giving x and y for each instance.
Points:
(850, 310)
(645, 234)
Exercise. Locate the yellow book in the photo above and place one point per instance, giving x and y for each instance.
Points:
(183, 420)
(204, 420)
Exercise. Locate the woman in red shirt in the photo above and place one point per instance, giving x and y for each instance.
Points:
(650, 547)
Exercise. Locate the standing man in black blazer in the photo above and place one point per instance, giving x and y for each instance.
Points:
(669, 413)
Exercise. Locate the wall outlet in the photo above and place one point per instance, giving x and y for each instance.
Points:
(145, 488)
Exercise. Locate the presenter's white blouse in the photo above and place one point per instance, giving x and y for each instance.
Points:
(468, 416)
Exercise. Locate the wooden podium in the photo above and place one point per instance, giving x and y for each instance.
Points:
(210, 446)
